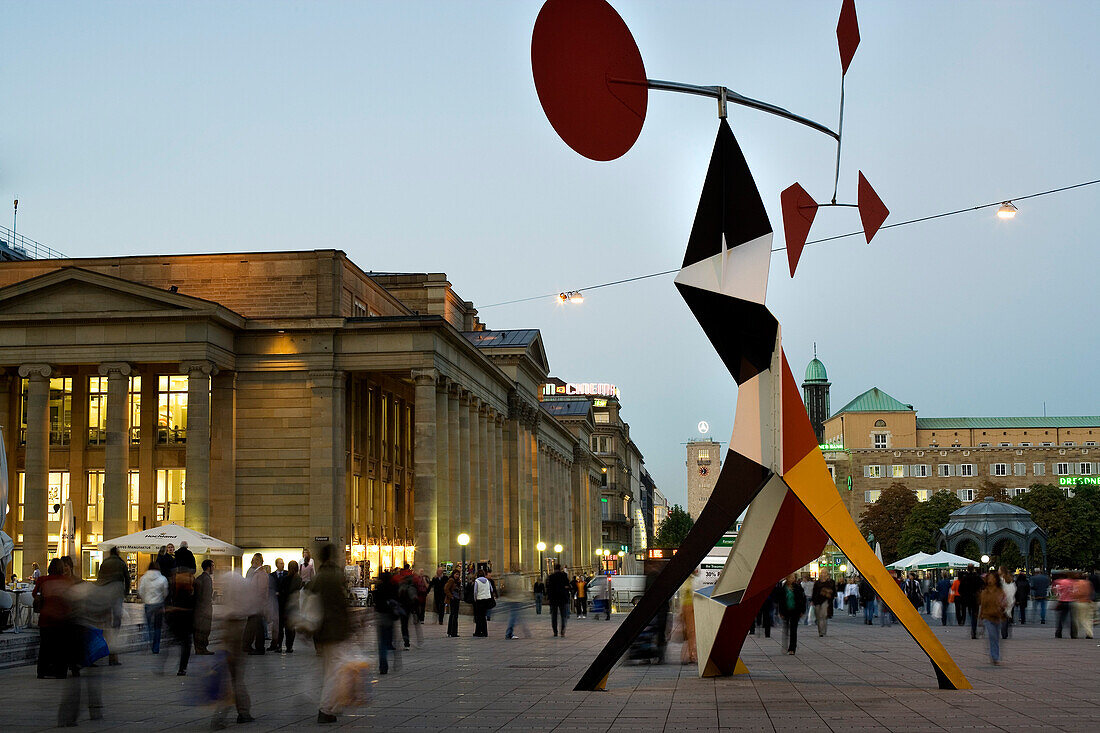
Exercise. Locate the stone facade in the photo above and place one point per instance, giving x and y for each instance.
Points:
(274, 398)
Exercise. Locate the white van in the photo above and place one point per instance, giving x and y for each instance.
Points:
(626, 590)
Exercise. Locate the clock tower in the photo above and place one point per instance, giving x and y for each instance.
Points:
(704, 461)
(815, 393)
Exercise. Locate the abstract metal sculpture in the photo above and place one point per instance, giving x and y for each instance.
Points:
(589, 74)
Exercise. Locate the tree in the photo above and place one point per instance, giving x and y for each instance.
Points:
(992, 489)
(885, 519)
(673, 528)
(1049, 509)
(918, 534)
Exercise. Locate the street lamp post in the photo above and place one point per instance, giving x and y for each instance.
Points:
(542, 566)
(599, 561)
(557, 551)
(463, 539)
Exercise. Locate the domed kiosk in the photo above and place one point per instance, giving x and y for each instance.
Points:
(989, 524)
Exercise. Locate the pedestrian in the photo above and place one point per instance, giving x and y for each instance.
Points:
(153, 589)
(483, 599)
(167, 564)
(943, 591)
(960, 607)
(36, 573)
(276, 621)
(867, 599)
(928, 592)
(791, 602)
(689, 654)
(582, 597)
(386, 610)
(557, 594)
(539, 590)
(114, 577)
(1083, 607)
(204, 607)
(851, 595)
(1008, 586)
(822, 597)
(1040, 591)
(289, 588)
(970, 586)
(807, 591)
(89, 607)
(912, 590)
(514, 600)
(257, 582)
(409, 598)
(51, 597)
(179, 614)
(307, 570)
(185, 558)
(1023, 593)
(992, 602)
(332, 632)
(421, 596)
(493, 589)
(1062, 590)
(235, 609)
(606, 593)
(764, 617)
(437, 586)
(452, 591)
(1094, 578)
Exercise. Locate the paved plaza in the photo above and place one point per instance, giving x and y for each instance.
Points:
(856, 678)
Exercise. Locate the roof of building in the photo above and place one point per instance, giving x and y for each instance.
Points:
(874, 400)
(988, 517)
(514, 337)
(815, 371)
(967, 423)
(567, 408)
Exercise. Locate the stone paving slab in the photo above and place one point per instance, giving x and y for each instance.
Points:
(856, 678)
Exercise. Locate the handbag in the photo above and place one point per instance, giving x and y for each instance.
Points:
(937, 609)
(95, 646)
(310, 612)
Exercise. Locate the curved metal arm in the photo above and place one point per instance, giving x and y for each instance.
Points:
(723, 95)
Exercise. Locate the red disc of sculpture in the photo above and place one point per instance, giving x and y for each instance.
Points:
(589, 76)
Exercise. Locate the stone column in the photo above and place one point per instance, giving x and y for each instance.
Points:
(425, 496)
(509, 509)
(223, 456)
(486, 522)
(464, 519)
(197, 476)
(501, 510)
(327, 467)
(455, 468)
(442, 475)
(116, 455)
(37, 466)
(477, 533)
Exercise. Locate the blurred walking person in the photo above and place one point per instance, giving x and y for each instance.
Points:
(1008, 587)
(386, 608)
(453, 592)
(180, 614)
(539, 589)
(1063, 595)
(437, 586)
(114, 578)
(236, 607)
(51, 596)
(791, 602)
(153, 589)
(970, 587)
(991, 608)
(515, 600)
(867, 599)
(204, 607)
(289, 587)
(1040, 591)
(943, 591)
(89, 612)
(851, 596)
(557, 593)
(1083, 605)
(333, 631)
(1023, 593)
(823, 592)
(258, 588)
(688, 652)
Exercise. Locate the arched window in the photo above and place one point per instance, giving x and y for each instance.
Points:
(880, 423)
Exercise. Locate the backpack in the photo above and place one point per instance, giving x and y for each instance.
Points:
(407, 594)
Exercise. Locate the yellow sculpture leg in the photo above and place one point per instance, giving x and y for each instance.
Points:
(740, 667)
(809, 480)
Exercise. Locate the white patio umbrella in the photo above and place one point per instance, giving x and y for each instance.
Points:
(151, 540)
(66, 541)
(6, 543)
(944, 559)
(907, 562)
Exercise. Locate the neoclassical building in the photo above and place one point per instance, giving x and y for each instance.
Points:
(276, 400)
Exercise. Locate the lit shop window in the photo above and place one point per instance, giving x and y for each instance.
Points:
(135, 511)
(97, 411)
(60, 408)
(171, 494)
(172, 409)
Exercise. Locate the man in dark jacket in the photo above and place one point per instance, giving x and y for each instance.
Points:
(943, 594)
(386, 608)
(867, 600)
(185, 559)
(114, 575)
(970, 585)
(334, 629)
(1023, 593)
(557, 593)
(790, 600)
(437, 587)
(204, 607)
(1040, 589)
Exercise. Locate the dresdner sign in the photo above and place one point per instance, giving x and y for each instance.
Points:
(585, 389)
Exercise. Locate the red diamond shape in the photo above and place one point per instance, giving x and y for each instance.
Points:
(847, 34)
(799, 210)
(872, 212)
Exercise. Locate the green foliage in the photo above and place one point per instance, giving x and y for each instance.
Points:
(919, 530)
(886, 518)
(1009, 557)
(674, 528)
(990, 488)
(1072, 523)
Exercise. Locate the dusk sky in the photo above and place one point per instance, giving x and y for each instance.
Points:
(410, 136)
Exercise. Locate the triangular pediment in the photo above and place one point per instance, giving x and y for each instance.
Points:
(73, 291)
